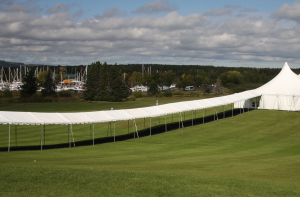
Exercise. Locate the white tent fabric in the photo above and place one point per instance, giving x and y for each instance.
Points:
(37, 118)
(282, 92)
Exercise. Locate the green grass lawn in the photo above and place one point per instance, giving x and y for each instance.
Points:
(252, 154)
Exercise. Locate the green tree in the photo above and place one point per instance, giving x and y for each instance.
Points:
(169, 77)
(103, 92)
(30, 84)
(188, 80)
(49, 85)
(206, 86)
(117, 87)
(153, 88)
(231, 77)
(136, 78)
(92, 84)
(61, 74)
(200, 78)
(41, 78)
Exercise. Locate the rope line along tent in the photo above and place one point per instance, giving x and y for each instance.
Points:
(240, 100)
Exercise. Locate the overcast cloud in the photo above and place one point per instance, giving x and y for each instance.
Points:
(57, 35)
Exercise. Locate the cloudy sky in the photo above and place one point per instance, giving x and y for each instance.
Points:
(256, 33)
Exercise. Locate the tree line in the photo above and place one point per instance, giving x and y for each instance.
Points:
(106, 82)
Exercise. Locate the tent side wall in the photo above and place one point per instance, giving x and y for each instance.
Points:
(280, 102)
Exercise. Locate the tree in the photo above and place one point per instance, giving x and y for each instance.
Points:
(49, 85)
(188, 80)
(41, 78)
(61, 74)
(153, 88)
(218, 88)
(92, 83)
(206, 86)
(104, 80)
(117, 87)
(231, 77)
(135, 78)
(169, 77)
(30, 84)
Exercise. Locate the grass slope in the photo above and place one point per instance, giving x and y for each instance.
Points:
(253, 154)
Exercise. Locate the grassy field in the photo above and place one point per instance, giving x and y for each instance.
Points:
(252, 154)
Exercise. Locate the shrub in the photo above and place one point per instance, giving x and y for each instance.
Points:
(7, 94)
(137, 94)
(168, 93)
(65, 93)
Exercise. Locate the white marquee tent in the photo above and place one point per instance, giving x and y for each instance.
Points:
(282, 93)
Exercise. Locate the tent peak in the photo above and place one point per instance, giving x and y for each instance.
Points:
(285, 65)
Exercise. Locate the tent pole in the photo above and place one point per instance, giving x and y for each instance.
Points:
(41, 137)
(240, 107)
(192, 118)
(214, 113)
(44, 134)
(223, 111)
(144, 123)
(8, 138)
(115, 131)
(133, 128)
(232, 110)
(128, 126)
(166, 123)
(179, 119)
(110, 129)
(90, 131)
(255, 103)
(16, 135)
(150, 126)
(248, 105)
(93, 134)
(184, 116)
(69, 136)
(203, 116)
(172, 118)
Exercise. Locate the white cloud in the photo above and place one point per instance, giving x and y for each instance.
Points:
(156, 7)
(218, 12)
(193, 39)
(288, 12)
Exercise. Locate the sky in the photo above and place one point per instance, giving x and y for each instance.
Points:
(256, 33)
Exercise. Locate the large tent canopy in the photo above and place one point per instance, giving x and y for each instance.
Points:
(282, 93)
(38, 118)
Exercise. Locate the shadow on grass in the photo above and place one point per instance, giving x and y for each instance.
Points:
(141, 133)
